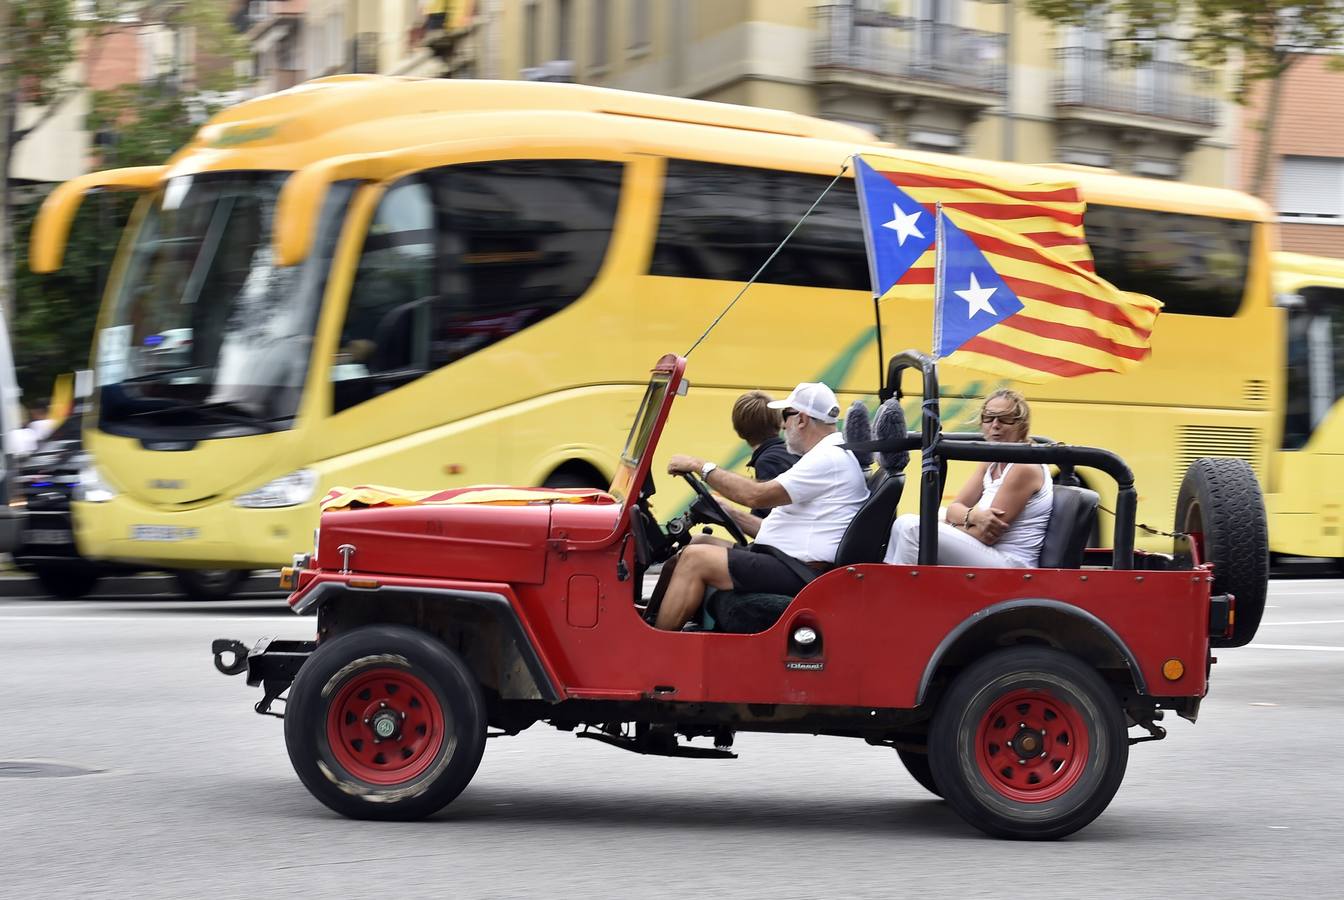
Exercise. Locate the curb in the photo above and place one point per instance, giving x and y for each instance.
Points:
(262, 583)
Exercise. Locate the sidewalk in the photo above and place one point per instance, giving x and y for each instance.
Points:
(18, 584)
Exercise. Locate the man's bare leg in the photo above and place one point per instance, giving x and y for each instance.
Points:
(699, 566)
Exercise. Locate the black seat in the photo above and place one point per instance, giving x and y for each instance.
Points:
(1072, 514)
(865, 540)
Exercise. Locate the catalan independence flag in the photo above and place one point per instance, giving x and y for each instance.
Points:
(1018, 294)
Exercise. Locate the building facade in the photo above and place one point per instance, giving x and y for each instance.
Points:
(1303, 178)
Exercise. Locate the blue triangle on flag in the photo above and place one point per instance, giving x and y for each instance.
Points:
(897, 228)
(973, 297)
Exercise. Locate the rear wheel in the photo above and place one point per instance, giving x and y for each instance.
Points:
(1029, 743)
(208, 585)
(385, 722)
(1220, 506)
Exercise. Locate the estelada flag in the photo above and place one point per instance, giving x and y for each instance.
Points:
(366, 495)
(1019, 295)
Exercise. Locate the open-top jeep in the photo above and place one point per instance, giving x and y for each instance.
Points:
(1009, 692)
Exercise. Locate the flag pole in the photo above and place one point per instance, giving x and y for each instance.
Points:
(939, 280)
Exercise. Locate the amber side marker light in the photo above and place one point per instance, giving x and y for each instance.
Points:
(1173, 669)
(287, 578)
(363, 583)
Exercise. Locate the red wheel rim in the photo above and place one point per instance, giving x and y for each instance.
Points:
(1031, 746)
(385, 726)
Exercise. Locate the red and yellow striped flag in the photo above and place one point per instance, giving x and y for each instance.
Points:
(1068, 320)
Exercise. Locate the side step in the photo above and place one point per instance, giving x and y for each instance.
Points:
(650, 742)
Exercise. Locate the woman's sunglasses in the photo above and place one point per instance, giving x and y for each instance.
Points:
(1001, 418)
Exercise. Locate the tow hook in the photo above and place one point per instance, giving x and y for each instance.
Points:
(1149, 720)
(237, 649)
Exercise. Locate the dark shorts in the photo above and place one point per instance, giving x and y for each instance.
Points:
(761, 573)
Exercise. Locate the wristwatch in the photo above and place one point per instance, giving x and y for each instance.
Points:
(707, 468)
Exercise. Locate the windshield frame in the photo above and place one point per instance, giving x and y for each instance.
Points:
(665, 383)
(225, 392)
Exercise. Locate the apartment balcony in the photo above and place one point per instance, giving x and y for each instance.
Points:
(903, 57)
(1162, 97)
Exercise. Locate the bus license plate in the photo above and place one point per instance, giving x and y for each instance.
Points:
(47, 536)
(163, 533)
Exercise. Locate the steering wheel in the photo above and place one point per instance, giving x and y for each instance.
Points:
(710, 510)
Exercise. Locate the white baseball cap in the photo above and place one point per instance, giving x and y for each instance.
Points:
(813, 399)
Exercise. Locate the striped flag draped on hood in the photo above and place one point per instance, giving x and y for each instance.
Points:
(1019, 295)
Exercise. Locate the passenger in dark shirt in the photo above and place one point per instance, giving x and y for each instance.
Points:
(759, 425)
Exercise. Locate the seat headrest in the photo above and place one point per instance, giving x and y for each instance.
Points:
(858, 427)
(890, 423)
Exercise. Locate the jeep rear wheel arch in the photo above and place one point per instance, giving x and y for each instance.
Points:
(1035, 621)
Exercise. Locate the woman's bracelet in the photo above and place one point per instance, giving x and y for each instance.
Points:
(966, 522)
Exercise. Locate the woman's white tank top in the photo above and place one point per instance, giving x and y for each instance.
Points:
(1024, 537)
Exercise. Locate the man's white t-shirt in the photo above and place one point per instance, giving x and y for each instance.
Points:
(826, 488)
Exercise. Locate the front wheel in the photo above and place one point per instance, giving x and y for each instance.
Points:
(1029, 743)
(385, 722)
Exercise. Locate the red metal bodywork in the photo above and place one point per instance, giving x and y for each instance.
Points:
(883, 627)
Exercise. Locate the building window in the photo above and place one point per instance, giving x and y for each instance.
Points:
(564, 40)
(640, 24)
(601, 32)
(1311, 188)
(531, 24)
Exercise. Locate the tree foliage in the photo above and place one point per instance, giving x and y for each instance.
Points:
(1263, 35)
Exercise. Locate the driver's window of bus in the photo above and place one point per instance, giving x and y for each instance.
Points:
(461, 257)
(385, 340)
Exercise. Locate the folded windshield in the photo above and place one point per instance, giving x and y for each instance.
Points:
(207, 333)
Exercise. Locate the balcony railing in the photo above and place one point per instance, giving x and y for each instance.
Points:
(1165, 90)
(896, 47)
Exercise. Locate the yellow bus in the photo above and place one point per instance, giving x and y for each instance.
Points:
(1307, 508)
(430, 283)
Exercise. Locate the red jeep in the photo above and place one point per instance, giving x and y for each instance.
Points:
(1009, 692)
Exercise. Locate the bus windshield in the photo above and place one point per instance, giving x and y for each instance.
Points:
(206, 334)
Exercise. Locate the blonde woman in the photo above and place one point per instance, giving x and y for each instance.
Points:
(999, 517)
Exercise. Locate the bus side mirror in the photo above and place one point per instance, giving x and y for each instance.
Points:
(46, 251)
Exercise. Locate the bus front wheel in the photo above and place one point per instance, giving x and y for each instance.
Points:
(208, 585)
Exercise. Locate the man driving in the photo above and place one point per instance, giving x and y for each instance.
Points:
(810, 505)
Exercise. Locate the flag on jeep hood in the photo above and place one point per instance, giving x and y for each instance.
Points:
(365, 495)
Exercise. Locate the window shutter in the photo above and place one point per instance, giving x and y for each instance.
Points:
(1311, 186)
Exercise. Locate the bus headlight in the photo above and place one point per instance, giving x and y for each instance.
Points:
(90, 488)
(287, 490)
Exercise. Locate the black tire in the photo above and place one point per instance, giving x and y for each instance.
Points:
(1220, 504)
(917, 764)
(67, 582)
(1063, 707)
(572, 479)
(433, 682)
(210, 585)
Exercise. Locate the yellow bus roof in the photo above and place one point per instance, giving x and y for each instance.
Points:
(1295, 271)
(358, 114)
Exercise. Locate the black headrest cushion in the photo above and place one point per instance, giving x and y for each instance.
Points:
(858, 427)
(890, 423)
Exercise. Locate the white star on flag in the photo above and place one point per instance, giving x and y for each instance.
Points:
(903, 224)
(976, 297)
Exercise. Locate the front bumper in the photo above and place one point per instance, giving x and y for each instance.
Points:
(216, 536)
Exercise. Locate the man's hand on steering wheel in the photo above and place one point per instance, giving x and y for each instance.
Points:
(707, 506)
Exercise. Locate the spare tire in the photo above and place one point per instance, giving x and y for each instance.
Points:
(1221, 508)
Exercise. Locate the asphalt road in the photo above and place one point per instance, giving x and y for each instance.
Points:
(188, 792)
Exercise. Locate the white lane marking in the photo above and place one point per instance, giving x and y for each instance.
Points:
(1254, 646)
(1316, 622)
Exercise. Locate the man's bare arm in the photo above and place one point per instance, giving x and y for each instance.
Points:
(746, 491)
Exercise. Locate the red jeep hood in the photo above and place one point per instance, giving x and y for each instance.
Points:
(474, 542)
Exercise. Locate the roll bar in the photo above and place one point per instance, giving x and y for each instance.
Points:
(936, 448)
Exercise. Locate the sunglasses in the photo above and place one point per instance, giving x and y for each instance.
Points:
(1001, 418)
(788, 413)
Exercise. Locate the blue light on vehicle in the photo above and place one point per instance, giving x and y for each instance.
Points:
(38, 484)
(153, 340)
